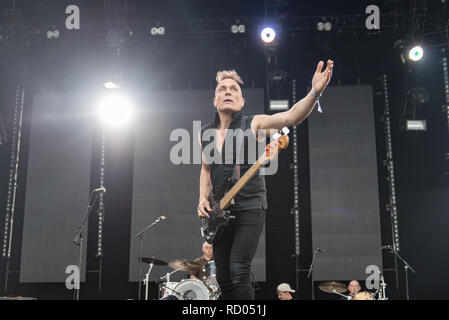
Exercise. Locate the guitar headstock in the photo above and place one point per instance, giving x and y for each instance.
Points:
(280, 141)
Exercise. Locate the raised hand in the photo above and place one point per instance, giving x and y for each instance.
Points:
(320, 79)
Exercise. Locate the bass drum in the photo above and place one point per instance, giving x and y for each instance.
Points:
(363, 296)
(191, 289)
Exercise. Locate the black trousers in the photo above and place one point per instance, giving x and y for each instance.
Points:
(234, 252)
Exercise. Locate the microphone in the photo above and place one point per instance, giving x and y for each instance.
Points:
(320, 250)
(386, 247)
(161, 218)
(102, 189)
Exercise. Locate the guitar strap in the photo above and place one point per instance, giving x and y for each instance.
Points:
(236, 173)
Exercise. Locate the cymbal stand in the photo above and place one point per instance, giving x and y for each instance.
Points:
(343, 295)
(383, 285)
(146, 280)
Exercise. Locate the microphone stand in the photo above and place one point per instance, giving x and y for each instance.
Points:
(140, 235)
(310, 273)
(406, 267)
(78, 241)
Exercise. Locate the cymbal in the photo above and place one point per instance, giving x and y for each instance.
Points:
(184, 265)
(330, 286)
(153, 261)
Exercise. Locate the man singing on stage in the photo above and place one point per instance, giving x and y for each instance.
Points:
(235, 249)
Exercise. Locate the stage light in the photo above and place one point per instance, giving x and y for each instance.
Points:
(320, 26)
(157, 31)
(238, 28)
(278, 105)
(268, 35)
(115, 109)
(416, 125)
(111, 85)
(53, 34)
(416, 53)
(328, 26)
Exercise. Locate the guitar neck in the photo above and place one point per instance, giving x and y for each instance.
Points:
(226, 200)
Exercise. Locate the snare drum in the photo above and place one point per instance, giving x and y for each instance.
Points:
(167, 288)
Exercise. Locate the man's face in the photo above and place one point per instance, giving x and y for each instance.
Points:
(284, 295)
(228, 96)
(207, 249)
(354, 287)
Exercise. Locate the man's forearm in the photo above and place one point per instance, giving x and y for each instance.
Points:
(301, 110)
(205, 185)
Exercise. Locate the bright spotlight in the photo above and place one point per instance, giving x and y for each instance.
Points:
(115, 109)
(416, 53)
(268, 35)
(111, 85)
(416, 125)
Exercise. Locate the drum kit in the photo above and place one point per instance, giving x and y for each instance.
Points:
(340, 288)
(186, 289)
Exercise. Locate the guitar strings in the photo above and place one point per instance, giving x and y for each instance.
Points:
(215, 212)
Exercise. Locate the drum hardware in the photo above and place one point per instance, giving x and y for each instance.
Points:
(210, 279)
(167, 281)
(153, 261)
(171, 287)
(343, 295)
(146, 280)
(191, 289)
(185, 265)
(332, 287)
(170, 290)
(381, 292)
(364, 295)
(140, 236)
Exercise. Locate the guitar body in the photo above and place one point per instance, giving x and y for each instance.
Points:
(212, 228)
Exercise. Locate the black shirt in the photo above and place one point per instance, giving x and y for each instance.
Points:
(253, 194)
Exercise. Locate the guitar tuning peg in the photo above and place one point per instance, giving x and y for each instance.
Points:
(276, 136)
(285, 130)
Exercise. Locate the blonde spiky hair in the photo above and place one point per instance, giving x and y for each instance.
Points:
(228, 74)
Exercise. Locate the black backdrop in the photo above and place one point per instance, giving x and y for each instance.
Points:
(360, 58)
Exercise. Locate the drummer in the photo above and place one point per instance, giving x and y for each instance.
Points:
(353, 288)
(204, 260)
